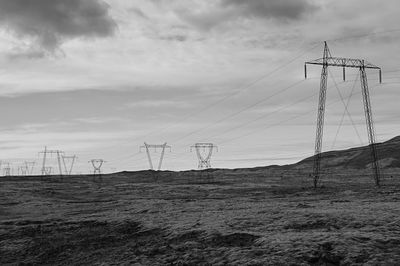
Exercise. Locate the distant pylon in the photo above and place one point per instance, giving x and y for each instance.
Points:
(22, 170)
(48, 170)
(155, 147)
(7, 169)
(58, 153)
(205, 157)
(29, 167)
(328, 60)
(97, 164)
(68, 171)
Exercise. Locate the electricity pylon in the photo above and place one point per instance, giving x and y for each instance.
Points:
(29, 167)
(97, 164)
(207, 149)
(45, 153)
(7, 169)
(155, 147)
(72, 158)
(47, 170)
(328, 60)
(22, 170)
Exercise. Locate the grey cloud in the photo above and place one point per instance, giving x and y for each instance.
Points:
(29, 54)
(228, 10)
(50, 22)
(281, 10)
(205, 21)
(176, 38)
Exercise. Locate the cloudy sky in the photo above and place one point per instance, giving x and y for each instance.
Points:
(97, 78)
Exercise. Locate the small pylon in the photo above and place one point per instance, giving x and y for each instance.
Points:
(22, 170)
(29, 167)
(48, 170)
(97, 164)
(7, 169)
(201, 150)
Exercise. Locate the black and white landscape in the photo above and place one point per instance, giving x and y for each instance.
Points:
(199, 132)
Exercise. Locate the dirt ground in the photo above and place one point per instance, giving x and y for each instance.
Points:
(254, 217)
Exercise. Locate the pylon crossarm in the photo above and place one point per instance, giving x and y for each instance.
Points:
(343, 62)
(203, 144)
(155, 146)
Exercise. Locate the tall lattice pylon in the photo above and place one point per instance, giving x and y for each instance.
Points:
(204, 152)
(148, 147)
(328, 60)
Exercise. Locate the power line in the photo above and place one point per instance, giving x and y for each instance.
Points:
(268, 114)
(276, 124)
(344, 114)
(345, 107)
(269, 126)
(241, 110)
(363, 35)
(265, 115)
(236, 92)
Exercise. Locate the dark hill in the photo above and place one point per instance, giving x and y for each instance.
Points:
(359, 157)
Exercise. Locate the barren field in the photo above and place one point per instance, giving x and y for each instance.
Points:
(225, 217)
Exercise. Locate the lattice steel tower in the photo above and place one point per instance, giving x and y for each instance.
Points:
(97, 164)
(7, 169)
(328, 60)
(207, 148)
(155, 147)
(72, 160)
(45, 170)
(29, 166)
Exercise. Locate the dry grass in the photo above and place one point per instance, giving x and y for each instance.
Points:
(245, 217)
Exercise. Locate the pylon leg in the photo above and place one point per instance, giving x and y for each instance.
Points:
(320, 126)
(370, 127)
(162, 156)
(44, 161)
(320, 118)
(148, 156)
